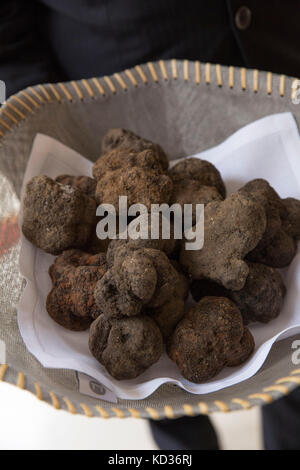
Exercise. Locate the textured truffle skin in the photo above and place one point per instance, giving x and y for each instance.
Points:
(86, 184)
(261, 298)
(192, 192)
(210, 336)
(136, 277)
(171, 312)
(125, 347)
(140, 186)
(279, 253)
(277, 247)
(232, 228)
(112, 302)
(291, 223)
(56, 217)
(125, 139)
(199, 170)
(74, 275)
(243, 350)
(131, 167)
(146, 273)
(120, 159)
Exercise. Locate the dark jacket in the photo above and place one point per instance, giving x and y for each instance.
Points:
(54, 40)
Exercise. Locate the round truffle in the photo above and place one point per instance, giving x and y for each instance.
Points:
(125, 347)
(209, 337)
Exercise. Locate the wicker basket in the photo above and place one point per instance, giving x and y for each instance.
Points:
(186, 107)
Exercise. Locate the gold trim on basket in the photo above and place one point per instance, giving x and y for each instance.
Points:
(88, 88)
(174, 69)
(243, 403)
(151, 67)
(219, 75)
(197, 72)
(255, 80)
(110, 84)
(131, 77)
(265, 397)
(3, 369)
(87, 411)
(141, 74)
(38, 391)
(11, 114)
(186, 70)
(77, 90)
(121, 81)
(231, 77)
(207, 73)
(21, 381)
(163, 70)
(98, 86)
(55, 401)
(70, 406)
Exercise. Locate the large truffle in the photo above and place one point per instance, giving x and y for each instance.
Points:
(210, 337)
(125, 139)
(232, 228)
(56, 216)
(74, 275)
(125, 347)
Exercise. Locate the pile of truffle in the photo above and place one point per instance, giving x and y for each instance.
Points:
(131, 294)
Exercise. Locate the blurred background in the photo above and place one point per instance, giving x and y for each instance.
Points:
(28, 424)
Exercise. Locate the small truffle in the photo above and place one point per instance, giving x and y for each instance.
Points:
(125, 347)
(209, 337)
(74, 275)
(232, 228)
(55, 216)
(200, 170)
(125, 139)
